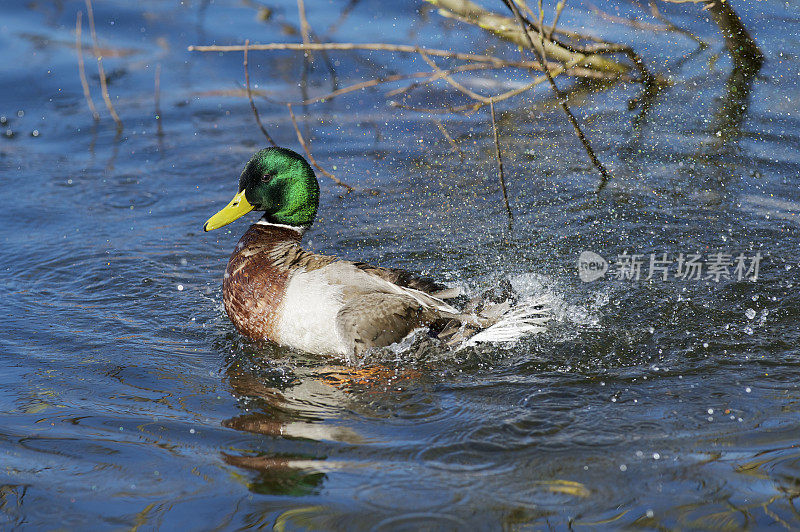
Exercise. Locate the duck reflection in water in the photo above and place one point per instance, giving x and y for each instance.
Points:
(298, 410)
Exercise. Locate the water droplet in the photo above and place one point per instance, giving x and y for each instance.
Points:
(180, 287)
(623, 467)
(710, 410)
(748, 389)
(750, 313)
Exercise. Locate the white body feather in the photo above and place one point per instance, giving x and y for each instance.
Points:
(313, 300)
(308, 314)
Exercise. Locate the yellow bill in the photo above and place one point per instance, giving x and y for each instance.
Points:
(238, 207)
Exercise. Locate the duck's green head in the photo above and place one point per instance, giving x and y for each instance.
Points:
(277, 181)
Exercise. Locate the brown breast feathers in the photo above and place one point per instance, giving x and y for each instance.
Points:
(256, 277)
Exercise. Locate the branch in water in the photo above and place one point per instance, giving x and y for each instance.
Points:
(250, 97)
(311, 158)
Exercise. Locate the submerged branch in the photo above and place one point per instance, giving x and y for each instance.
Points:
(446, 135)
(101, 71)
(740, 44)
(500, 174)
(561, 100)
(82, 70)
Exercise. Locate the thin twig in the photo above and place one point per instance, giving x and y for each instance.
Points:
(466, 108)
(347, 46)
(555, 68)
(456, 85)
(363, 85)
(157, 97)
(82, 70)
(500, 164)
(307, 57)
(402, 48)
(308, 33)
(389, 79)
(559, 8)
(561, 100)
(305, 29)
(250, 97)
(342, 17)
(311, 158)
(524, 5)
(471, 108)
(673, 27)
(449, 138)
(101, 71)
(632, 22)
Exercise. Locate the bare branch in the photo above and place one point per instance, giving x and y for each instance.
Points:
(157, 98)
(250, 97)
(559, 8)
(449, 138)
(311, 158)
(305, 29)
(82, 70)
(506, 28)
(500, 164)
(672, 27)
(347, 46)
(101, 71)
(561, 100)
(451, 81)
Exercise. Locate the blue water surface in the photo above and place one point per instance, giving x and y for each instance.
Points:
(128, 399)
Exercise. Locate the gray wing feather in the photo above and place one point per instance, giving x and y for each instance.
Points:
(407, 279)
(378, 320)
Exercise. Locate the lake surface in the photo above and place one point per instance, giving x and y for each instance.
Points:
(128, 399)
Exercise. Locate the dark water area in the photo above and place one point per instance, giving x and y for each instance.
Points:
(129, 400)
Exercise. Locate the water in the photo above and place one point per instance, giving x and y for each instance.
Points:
(129, 400)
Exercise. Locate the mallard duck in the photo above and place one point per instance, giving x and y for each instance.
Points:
(275, 290)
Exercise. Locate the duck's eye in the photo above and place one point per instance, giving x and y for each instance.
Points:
(266, 178)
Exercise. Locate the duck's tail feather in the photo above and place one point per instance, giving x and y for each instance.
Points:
(499, 322)
(525, 318)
